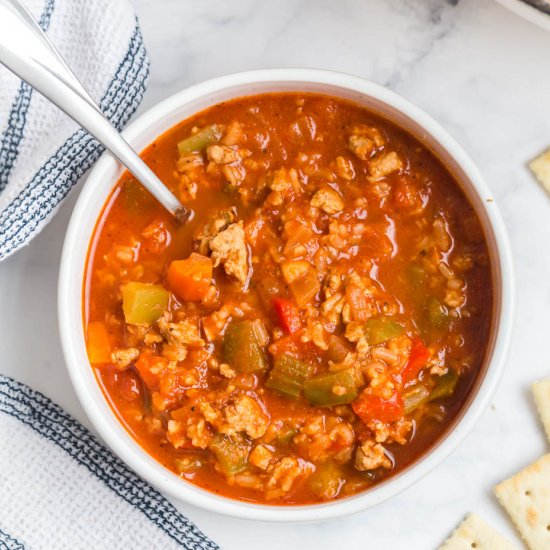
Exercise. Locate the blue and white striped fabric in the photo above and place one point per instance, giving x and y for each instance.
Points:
(42, 152)
(60, 488)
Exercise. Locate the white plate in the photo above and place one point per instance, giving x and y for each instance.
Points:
(536, 16)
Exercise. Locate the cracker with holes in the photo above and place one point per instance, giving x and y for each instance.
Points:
(541, 168)
(541, 392)
(473, 532)
(526, 498)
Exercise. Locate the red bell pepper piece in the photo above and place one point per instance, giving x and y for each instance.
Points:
(369, 407)
(417, 361)
(287, 315)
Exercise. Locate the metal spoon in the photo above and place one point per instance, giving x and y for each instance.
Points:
(26, 51)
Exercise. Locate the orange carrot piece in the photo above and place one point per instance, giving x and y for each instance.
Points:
(190, 279)
(97, 343)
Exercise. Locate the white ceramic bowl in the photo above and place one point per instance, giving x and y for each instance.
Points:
(181, 106)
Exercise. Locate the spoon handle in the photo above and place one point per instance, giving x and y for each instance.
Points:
(26, 51)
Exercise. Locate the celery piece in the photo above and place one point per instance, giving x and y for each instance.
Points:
(418, 394)
(327, 480)
(288, 375)
(382, 329)
(414, 397)
(231, 452)
(242, 349)
(335, 388)
(143, 303)
(201, 140)
(446, 385)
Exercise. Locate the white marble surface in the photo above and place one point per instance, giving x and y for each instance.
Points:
(483, 74)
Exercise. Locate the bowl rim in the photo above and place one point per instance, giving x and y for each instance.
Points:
(120, 440)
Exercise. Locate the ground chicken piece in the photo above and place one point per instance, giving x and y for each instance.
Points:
(261, 457)
(283, 180)
(361, 146)
(226, 370)
(215, 225)
(198, 432)
(229, 248)
(245, 415)
(454, 298)
(385, 164)
(233, 134)
(463, 262)
(359, 302)
(371, 455)
(151, 338)
(328, 200)
(187, 188)
(283, 184)
(189, 162)
(285, 472)
(388, 433)
(215, 323)
(316, 333)
(364, 140)
(332, 307)
(182, 333)
(157, 235)
(355, 331)
(369, 131)
(248, 480)
(175, 433)
(221, 154)
(234, 174)
(210, 414)
(122, 358)
(344, 168)
(174, 352)
(324, 437)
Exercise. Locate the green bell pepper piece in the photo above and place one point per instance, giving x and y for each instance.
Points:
(382, 329)
(201, 140)
(320, 390)
(231, 452)
(242, 349)
(143, 303)
(327, 480)
(288, 376)
(446, 385)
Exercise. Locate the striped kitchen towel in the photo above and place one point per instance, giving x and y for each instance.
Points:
(60, 488)
(43, 153)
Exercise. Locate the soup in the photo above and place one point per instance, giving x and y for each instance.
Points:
(317, 324)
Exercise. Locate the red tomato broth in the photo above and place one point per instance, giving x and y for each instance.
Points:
(390, 242)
